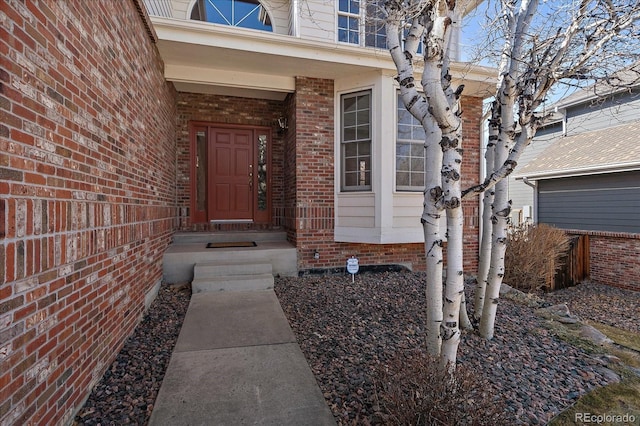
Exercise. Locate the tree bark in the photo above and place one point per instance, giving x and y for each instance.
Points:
(433, 207)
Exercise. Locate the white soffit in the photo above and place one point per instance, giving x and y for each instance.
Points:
(204, 54)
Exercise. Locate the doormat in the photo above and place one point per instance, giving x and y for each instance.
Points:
(232, 244)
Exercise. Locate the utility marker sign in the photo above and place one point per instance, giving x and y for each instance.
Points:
(352, 267)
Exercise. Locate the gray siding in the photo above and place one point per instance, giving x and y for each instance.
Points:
(603, 113)
(520, 193)
(593, 203)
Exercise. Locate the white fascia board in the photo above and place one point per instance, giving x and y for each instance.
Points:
(206, 34)
(479, 79)
(586, 171)
(192, 74)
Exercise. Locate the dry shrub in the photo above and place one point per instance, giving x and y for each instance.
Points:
(414, 390)
(533, 256)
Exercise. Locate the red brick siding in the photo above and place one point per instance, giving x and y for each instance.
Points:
(289, 169)
(228, 110)
(312, 157)
(614, 258)
(87, 196)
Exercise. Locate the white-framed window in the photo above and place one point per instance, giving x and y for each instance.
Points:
(236, 13)
(410, 158)
(349, 21)
(361, 22)
(355, 141)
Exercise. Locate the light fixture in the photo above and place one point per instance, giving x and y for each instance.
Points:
(282, 124)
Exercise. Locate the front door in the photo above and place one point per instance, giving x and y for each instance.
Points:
(230, 179)
(231, 174)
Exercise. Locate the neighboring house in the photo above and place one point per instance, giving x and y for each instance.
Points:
(593, 108)
(587, 179)
(116, 126)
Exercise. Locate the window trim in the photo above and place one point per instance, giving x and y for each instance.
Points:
(349, 15)
(342, 143)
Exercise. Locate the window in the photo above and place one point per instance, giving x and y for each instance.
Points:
(373, 33)
(409, 151)
(237, 13)
(349, 21)
(356, 141)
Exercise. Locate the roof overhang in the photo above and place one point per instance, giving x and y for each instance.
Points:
(555, 174)
(209, 58)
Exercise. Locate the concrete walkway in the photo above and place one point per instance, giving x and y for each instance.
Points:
(237, 362)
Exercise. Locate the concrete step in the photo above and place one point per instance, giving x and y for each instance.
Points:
(179, 260)
(233, 283)
(215, 269)
(227, 236)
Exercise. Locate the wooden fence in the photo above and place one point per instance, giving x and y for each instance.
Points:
(575, 265)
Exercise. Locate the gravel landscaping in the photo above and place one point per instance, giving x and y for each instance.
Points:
(348, 330)
(126, 393)
(597, 302)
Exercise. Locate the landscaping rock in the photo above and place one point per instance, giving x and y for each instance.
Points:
(610, 375)
(557, 311)
(594, 335)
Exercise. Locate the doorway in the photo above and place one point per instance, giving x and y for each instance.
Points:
(230, 173)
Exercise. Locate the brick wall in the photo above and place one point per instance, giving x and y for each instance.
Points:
(228, 110)
(312, 157)
(614, 258)
(87, 196)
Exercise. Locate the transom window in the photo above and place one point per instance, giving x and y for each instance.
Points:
(356, 141)
(409, 151)
(237, 13)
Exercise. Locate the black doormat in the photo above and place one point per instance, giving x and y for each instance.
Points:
(232, 244)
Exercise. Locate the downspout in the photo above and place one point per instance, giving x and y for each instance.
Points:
(295, 17)
(535, 197)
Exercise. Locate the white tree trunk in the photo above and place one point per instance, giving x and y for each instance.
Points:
(432, 214)
(444, 106)
(465, 322)
(487, 226)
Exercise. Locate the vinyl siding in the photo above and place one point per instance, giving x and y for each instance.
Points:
(356, 210)
(520, 193)
(592, 203)
(318, 20)
(601, 114)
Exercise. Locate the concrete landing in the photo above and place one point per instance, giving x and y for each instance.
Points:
(237, 362)
(189, 249)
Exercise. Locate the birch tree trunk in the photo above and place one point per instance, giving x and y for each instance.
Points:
(487, 225)
(444, 106)
(433, 206)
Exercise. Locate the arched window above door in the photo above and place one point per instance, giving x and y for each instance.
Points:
(236, 13)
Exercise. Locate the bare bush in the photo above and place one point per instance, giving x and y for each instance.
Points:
(533, 256)
(414, 390)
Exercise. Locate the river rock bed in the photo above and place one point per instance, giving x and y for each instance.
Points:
(347, 330)
(127, 391)
(609, 305)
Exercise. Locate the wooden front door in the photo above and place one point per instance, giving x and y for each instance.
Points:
(230, 173)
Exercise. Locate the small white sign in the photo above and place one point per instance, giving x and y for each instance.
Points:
(352, 265)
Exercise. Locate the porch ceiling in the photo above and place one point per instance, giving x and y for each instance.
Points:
(205, 58)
